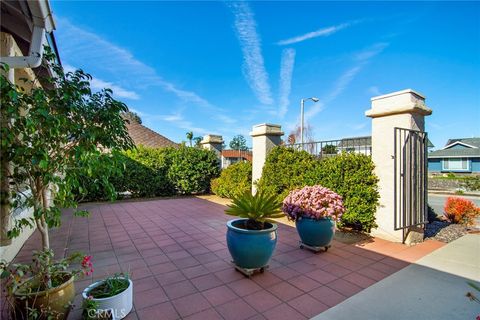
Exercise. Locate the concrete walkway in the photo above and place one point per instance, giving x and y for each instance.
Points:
(432, 288)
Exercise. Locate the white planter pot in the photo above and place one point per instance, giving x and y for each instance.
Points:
(121, 304)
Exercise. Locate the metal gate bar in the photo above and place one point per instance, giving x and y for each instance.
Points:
(410, 179)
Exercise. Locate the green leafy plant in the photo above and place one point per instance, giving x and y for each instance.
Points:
(47, 132)
(256, 209)
(234, 181)
(111, 286)
(22, 281)
(90, 307)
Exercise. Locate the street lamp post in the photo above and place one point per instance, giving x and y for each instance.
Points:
(302, 104)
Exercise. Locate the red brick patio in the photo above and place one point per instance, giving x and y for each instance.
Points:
(176, 252)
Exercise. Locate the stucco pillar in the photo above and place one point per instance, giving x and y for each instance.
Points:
(403, 109)
(264, 138)
(214, 143)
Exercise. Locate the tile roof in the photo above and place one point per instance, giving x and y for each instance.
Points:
(142, 135)
(247, 155)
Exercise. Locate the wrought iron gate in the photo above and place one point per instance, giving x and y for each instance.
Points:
(410, 170)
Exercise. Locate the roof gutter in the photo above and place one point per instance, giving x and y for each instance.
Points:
(42, 23)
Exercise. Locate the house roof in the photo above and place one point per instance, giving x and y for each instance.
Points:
(474, 142)
(144, 136)
(356, 141)
(247, 155)
(471, 150)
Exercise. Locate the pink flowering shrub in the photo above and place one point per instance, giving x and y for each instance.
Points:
(313, 202)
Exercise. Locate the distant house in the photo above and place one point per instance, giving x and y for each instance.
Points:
(146, 137)
(361, 145)
(458, 155)
(232, 156)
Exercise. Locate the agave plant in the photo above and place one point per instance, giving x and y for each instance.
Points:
(256, 209)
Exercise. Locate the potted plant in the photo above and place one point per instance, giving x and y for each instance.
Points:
(111, 295)
(315, 210)
(52, 136)
(252, 239)
(44, 288)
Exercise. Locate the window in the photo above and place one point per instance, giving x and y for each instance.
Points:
(456, 164)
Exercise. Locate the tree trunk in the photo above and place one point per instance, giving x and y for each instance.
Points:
(41, 223)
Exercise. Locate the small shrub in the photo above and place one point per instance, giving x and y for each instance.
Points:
(256, 209)
(460, 210)
(234, 181)
(314, 202)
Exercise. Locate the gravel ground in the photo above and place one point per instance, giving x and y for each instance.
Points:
(444, 231)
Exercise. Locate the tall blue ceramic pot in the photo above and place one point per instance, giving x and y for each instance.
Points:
(316, 233)
(251, 249)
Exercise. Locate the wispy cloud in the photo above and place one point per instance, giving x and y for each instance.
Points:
(250, 43)
(177, 119)
(361, 59)
(322, 32)
(286, 72)
(374, 91)
(90, 50)
(99, 84)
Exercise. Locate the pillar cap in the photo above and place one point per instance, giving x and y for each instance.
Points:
(266, 129)
(211, 139)
(399, 102)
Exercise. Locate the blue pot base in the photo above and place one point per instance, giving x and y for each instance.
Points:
(313, 248)
(249, 272)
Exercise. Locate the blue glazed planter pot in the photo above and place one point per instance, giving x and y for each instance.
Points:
(251, 249)
(316, 233)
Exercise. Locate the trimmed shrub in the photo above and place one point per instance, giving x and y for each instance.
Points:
(348, 174)
(151, 172)
(285, 170)
(460, 210)
(146, 172)
(234, 181)
(192, 169)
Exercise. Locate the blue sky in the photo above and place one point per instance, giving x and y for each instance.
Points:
(222, 67)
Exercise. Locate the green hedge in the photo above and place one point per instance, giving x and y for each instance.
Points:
(235, 180)
(192, 169)
(285, 169)
(150, 172)
(348, 174)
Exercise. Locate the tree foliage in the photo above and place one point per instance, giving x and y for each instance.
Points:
(53, 135)
(238, 143)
